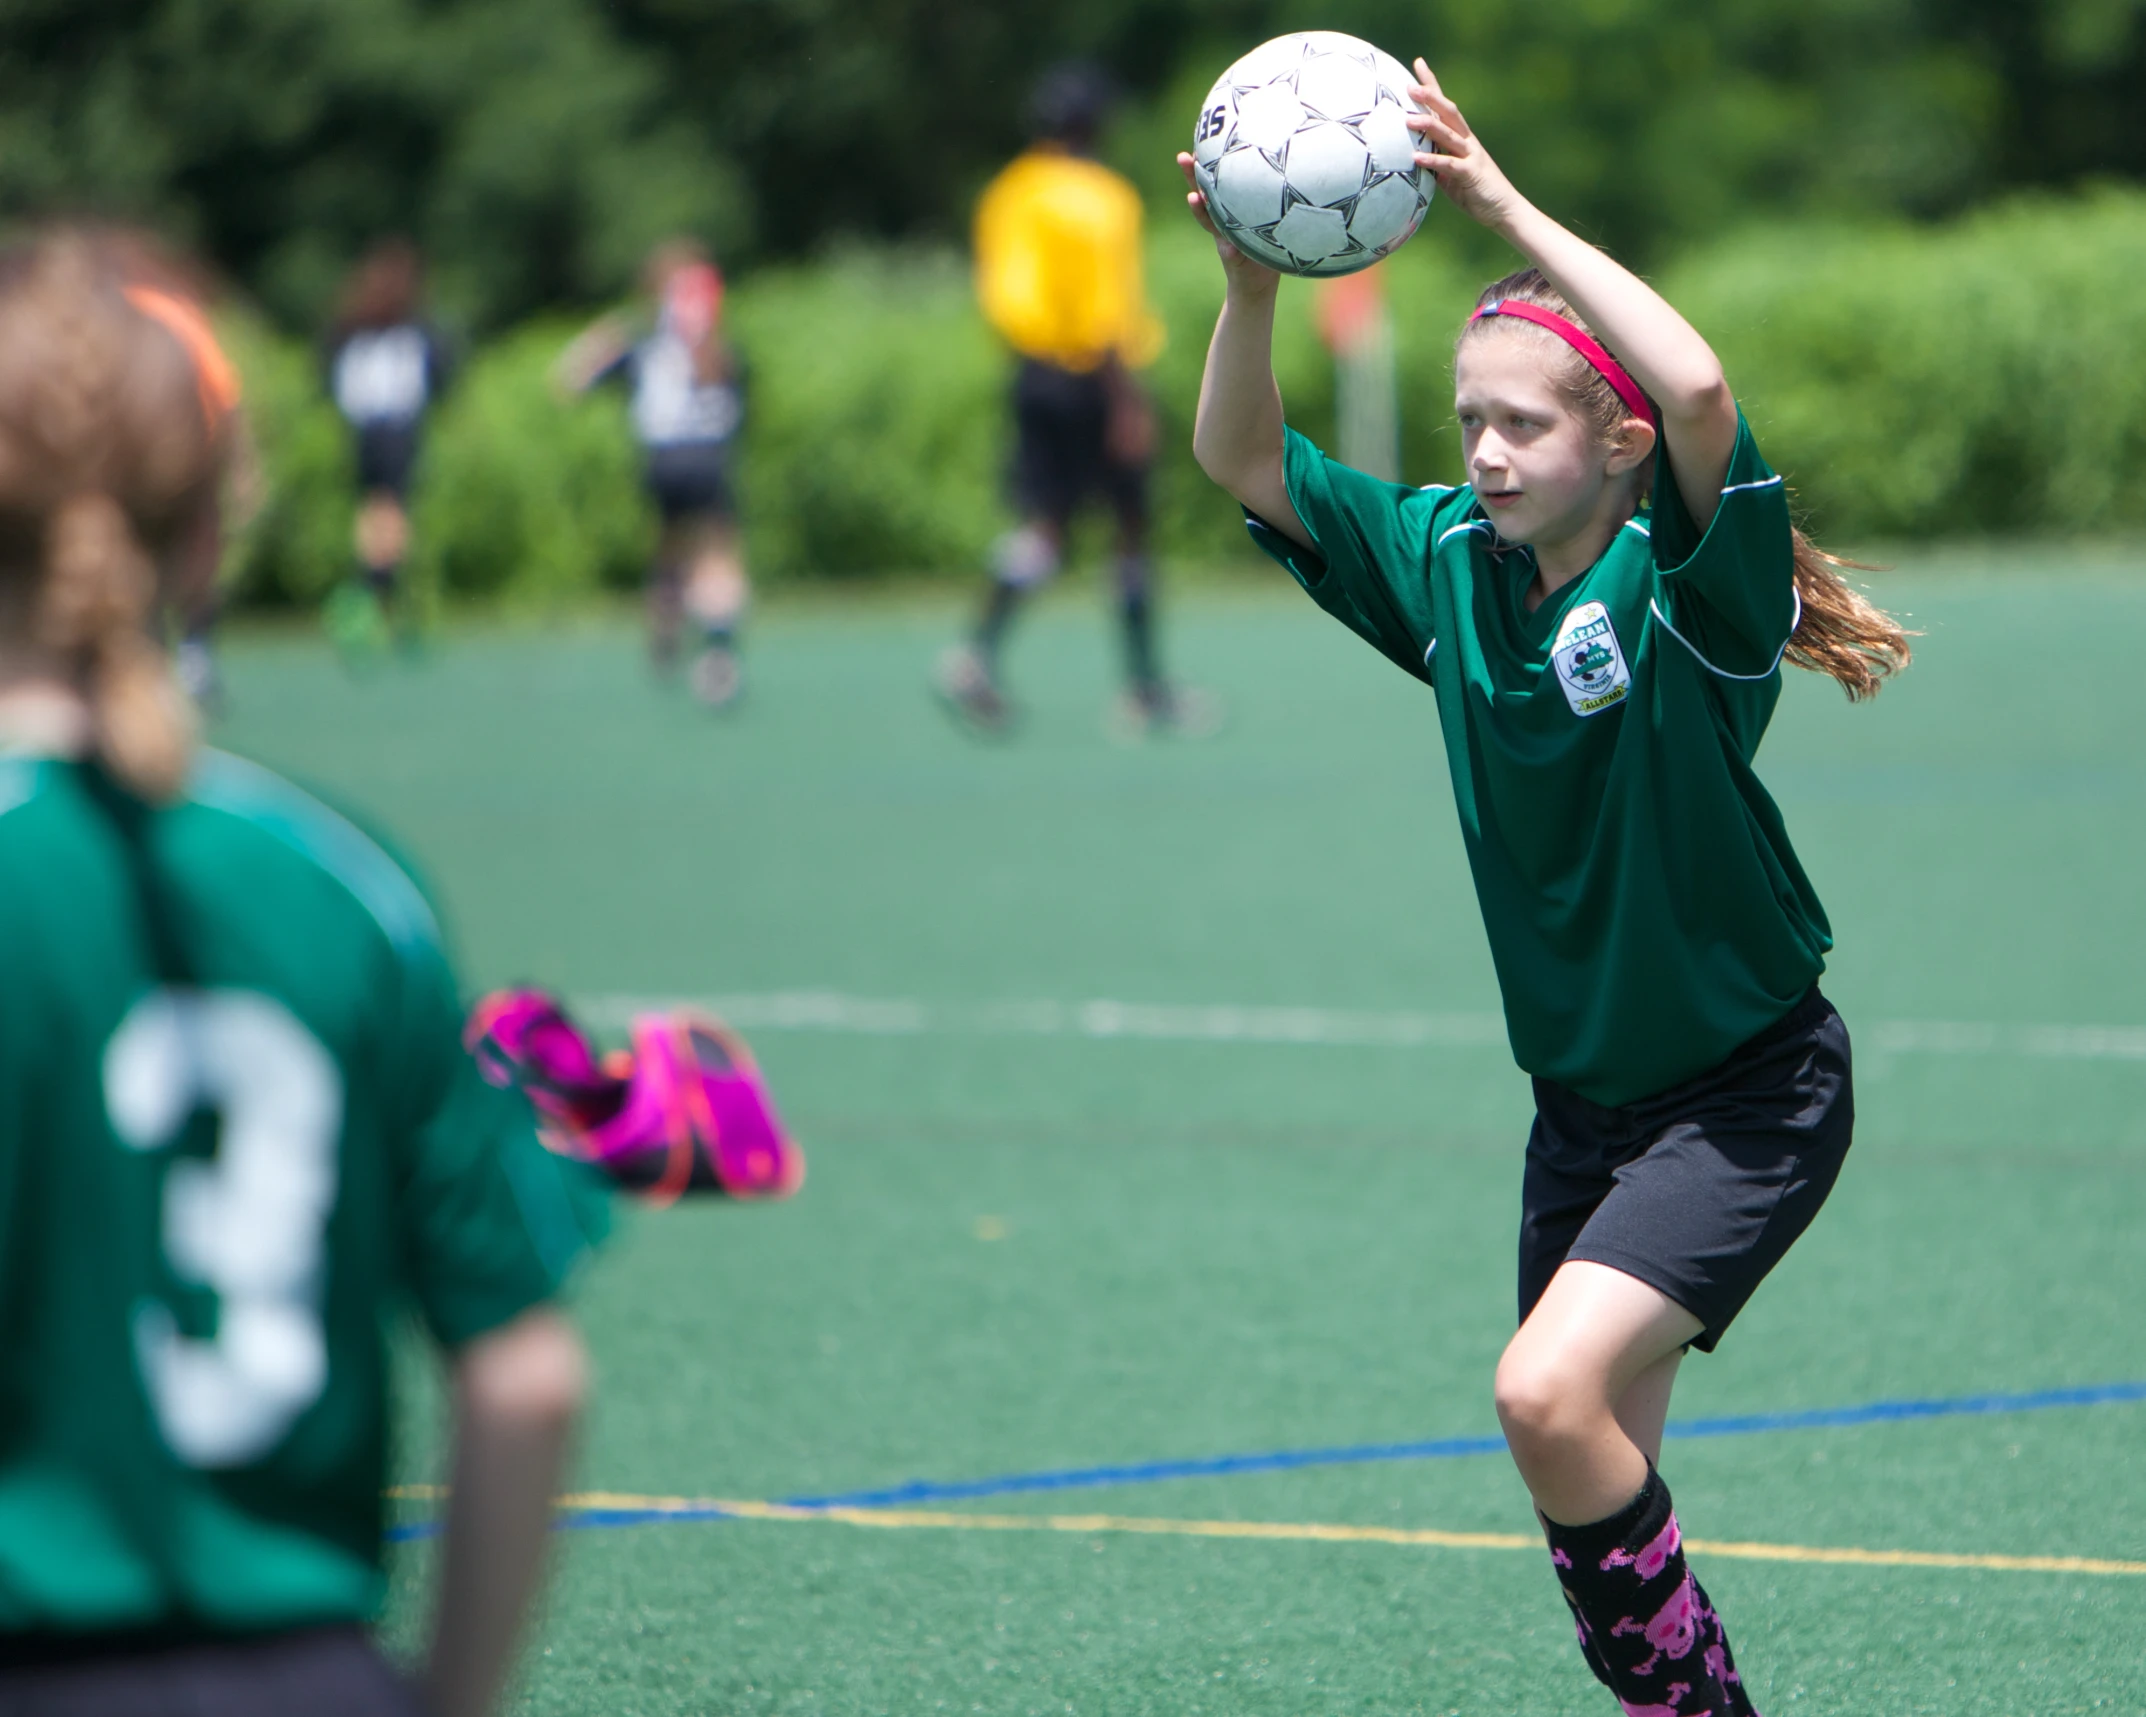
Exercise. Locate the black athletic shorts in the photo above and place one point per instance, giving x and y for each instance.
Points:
(691, 479)
(1699, 1190)
(387, 453)
(1061, 446)
(320, 1672)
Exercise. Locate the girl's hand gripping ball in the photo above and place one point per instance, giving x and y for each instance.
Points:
(1455, 156)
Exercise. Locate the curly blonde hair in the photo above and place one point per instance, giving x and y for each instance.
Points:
(106, 454)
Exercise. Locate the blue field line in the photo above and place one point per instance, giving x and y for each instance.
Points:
(586, 1519)
(1893, 1412)
(1449, 1448)
(1152, 1472)
(1358, 1454)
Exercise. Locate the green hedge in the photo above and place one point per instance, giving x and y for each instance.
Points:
(1984, 376)
(522, 494)
(297, 541)
(1911, 381)
(872, 433)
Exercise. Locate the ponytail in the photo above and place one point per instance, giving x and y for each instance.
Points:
(105, 456)
(1842, 633)
(99, 594)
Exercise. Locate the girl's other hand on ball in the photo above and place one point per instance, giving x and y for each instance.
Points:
(1234, 262)
(1452, 151)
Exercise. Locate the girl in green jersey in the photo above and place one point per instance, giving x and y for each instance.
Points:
(1602, 612)
(237, 1130)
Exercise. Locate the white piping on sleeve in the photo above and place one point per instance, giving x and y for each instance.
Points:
(1763, 483)
(1644, 530)
(19, 781)
(1656, 608)
(1431, 651)
(278, 809)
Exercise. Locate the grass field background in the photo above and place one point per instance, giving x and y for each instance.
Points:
(1023, 1250)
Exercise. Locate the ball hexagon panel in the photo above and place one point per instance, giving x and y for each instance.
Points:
(1393, 146)
(1249, 189)
(1268, 116)
(1312, 235)
(1269, 62)
(1340, 86)
(1264, 250)
(1335, 42)
(1327, 164)
(1387, 213)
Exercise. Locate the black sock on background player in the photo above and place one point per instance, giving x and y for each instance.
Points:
(1136, 610)
(1001, 603)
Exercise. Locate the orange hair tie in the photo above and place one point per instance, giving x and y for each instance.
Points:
(214, 375)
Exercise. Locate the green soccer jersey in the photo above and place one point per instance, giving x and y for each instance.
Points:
(213, 1191)
(1645, 911)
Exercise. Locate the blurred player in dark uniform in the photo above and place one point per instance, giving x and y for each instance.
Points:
(687, 389)
(386, 367)
(238, 1128)
(1058, 271)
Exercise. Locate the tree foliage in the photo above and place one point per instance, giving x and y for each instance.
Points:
(530, 151)
(536, 146)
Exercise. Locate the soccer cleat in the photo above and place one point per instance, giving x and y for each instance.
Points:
(717, 677)
(683, 1110)
(969, 690)
(1163, 710)
(355, 621)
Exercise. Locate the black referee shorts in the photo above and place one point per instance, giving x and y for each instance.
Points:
(1062, 446)
(1699, 1190)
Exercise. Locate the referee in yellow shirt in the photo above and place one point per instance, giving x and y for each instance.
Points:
(1058, 272)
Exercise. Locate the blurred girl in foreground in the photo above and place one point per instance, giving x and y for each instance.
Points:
(238, 1129)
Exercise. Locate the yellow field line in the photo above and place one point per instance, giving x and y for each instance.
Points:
(1312, 1532)
(1916, 1558)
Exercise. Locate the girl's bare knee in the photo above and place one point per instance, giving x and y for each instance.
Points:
(1535, 1400)
(1547, 1401)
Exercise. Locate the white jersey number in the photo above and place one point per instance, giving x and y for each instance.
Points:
(248, 1224)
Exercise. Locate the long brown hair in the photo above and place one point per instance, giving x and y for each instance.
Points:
(1842, 633)
(106, 454)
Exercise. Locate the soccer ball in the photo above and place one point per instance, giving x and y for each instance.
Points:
(1304, 154)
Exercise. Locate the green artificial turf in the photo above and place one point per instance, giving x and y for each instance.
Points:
(1021, 1252)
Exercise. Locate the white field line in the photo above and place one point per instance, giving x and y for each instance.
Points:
(870, 1016)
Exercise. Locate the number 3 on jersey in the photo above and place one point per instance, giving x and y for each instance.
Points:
(248, 1224)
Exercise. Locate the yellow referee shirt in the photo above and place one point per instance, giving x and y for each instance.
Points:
(1058, 262)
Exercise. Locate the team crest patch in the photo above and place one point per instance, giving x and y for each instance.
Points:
(1589, 661)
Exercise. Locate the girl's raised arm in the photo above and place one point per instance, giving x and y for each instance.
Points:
(1662, 350)
(1237, 437)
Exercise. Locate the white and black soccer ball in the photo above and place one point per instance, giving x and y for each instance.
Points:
(1304, 154)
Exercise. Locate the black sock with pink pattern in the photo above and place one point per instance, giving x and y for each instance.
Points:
(1645, 1624)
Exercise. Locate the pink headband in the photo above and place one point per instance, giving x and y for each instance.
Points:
(1581, 342)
